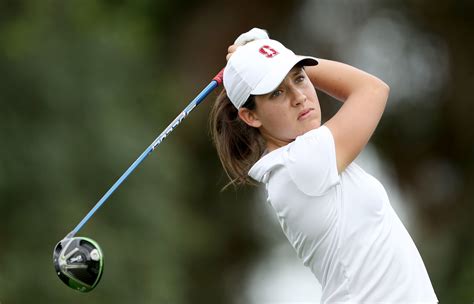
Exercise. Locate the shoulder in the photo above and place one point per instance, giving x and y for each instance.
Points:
(266, 164)
(309, 160)
(318, 141)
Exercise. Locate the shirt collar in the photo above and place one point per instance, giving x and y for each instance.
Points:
(261, 169)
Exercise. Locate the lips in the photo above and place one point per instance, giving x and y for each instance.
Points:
(305, 113)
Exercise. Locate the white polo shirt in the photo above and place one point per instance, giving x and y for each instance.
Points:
(342, 225)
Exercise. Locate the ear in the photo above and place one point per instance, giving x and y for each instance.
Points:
(249, 117)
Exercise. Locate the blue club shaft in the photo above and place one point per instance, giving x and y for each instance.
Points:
(196, 101)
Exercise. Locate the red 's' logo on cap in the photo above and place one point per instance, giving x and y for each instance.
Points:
(268, 51)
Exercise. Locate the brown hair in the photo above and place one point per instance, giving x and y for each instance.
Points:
(238, 145)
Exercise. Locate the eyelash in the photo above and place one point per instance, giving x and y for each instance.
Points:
(299, 79)
(275, 94)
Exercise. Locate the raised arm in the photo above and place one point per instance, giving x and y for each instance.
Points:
(364, 97)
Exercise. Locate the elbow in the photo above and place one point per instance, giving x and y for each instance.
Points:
(373, 89)
(385, 89)
(382, 90)
(380, 85)
(377, 86)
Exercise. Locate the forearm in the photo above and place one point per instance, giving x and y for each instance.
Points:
(341, 81)
(364, 97)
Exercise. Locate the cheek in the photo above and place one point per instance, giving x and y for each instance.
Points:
(275, 118)
(311, 93)
(313, 97)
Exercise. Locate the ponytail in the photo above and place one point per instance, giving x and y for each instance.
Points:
(238, 145)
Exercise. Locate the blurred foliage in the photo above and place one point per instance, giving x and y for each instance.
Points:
(438, 169)
(87, 85)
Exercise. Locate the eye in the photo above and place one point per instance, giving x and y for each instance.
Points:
(300, 78)
(276, 93)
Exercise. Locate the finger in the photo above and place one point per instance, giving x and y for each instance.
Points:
(253, 34)
(230, 51)
(232, 48)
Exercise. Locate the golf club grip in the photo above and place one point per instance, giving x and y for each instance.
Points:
(216, 81)
(219, 78)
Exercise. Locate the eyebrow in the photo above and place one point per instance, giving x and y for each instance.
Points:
(292, 72)
(296, 70)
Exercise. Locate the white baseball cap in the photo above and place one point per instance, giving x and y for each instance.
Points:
(258, 68)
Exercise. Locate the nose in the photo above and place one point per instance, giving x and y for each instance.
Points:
(298, 97)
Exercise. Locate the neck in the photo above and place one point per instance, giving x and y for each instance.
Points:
(273, 143)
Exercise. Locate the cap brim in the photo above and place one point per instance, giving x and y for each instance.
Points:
(275, 78)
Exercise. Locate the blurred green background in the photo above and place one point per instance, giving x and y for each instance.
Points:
(87, 85)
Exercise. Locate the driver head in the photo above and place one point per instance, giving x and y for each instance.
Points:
(78, 262)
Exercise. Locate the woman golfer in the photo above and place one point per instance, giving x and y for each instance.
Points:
(266, 124)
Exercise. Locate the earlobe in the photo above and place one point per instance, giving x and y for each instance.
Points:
(249, 117)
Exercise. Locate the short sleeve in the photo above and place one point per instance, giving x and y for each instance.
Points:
(311, 162)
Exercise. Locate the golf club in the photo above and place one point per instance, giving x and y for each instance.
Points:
(78, 261)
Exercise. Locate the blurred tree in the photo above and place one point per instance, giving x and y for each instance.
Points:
(439, 133)
(86, 85)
